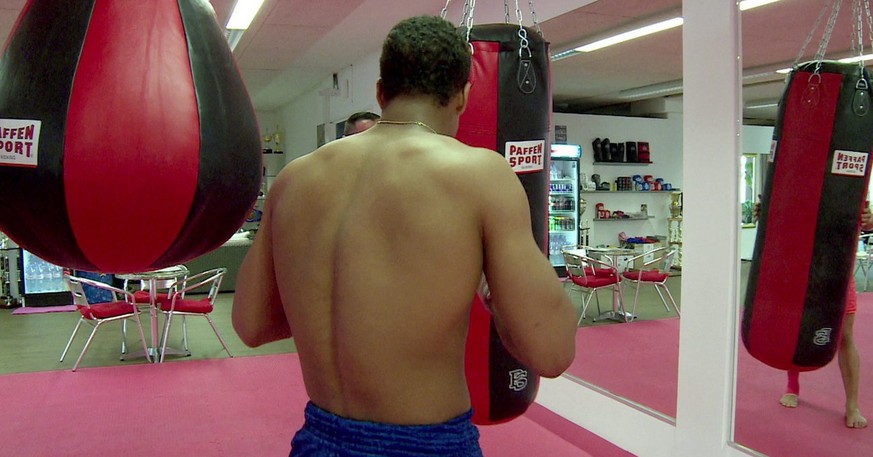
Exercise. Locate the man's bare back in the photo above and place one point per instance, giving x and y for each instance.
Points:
(380, 336)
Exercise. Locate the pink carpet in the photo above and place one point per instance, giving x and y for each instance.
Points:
(639, 361)
(247, 406)
(44, 309)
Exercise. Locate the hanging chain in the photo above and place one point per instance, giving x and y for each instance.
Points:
(811, 33)
(524, 44)
(469, 19)
(445, 10)
(506, 11)
(858, 22)
(869, 21)
(826, 38)
(533, 15)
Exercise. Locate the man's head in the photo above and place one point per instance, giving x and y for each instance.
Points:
(424, 55)
(358, 122)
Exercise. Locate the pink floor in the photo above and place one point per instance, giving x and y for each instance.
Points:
(639, 361)
(247, 406)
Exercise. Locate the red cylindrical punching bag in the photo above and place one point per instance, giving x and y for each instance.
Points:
(127, 138)
(508, 111)
(810, 209)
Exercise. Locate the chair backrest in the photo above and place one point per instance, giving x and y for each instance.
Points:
(574, 259)
(579, 264)
(664, 258)
(80, 299)
(209, 278)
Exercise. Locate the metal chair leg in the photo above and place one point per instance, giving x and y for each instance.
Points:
(212, 324)
(87, 345)
(185, 334)
(166, 335)
(675, 306)
(67, 347)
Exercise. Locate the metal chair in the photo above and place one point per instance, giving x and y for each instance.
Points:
(591, 275)
(178, 304)
(142, 297)
(120, 308)
(654, 271)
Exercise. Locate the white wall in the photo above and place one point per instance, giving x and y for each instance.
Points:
(756, 140)
(356, 86)
(665, 142)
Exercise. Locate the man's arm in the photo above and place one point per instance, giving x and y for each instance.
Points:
(258, 315)
(532, 312)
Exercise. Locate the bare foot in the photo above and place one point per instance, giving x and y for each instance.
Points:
(854, 419)
(790, 401)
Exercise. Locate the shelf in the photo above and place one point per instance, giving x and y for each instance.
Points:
(629, 191)
(623, 163)
(613, 219)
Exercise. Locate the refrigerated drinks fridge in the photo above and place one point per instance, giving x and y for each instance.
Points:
(43, 282)
(563, 201)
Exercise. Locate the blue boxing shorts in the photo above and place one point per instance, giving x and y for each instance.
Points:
(325, 434)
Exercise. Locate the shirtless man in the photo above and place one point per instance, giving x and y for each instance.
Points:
(371, 249)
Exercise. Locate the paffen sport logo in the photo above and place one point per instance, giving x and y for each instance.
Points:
(822, 336)
(518, 379)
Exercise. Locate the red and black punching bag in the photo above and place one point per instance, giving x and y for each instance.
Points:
(810, 209)
(508, 111)
(127, 138)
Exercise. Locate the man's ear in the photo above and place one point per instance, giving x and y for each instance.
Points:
(463, 98)
(380, 97)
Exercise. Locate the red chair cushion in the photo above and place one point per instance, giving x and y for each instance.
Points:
(599, 271)
(142, 296)
(203, 306)
(595, 281)
(105, 310)
(647, 275)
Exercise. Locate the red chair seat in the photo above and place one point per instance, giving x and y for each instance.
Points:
(202, 306)
(598, 271)
(142, 296)
(105, 310)
(595, 281)
(647, 275)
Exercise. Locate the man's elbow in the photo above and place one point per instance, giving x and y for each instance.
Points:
(558, 364)
(248, 337)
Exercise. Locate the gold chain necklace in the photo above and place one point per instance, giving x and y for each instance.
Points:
(418, 123)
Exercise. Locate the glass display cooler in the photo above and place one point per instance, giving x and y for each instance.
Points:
(43, 282)
(563, 201)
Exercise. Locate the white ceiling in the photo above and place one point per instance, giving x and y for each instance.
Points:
(294, 45)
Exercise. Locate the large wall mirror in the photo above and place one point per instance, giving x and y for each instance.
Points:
(817, 425)
(613, 356)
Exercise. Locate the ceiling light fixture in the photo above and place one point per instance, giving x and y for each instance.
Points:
(645, 30)
(241, 18)
(243, 14)
(749, 4)
(632, 34)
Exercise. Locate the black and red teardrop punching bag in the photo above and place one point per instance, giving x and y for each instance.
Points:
(508, 111)
(810, 209)
(127, 138)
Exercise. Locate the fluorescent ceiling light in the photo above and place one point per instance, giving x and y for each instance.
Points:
(243, 13)
(633, 34)
(749, 4)
(856, 58)
(652, 28)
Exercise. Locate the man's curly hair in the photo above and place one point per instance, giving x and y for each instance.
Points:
(424, 55)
